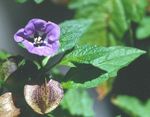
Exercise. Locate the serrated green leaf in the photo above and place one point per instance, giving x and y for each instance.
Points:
(109, 59)
(38, 1)
(133, 106)
(78, 102)
(71, 32)
(143, 29)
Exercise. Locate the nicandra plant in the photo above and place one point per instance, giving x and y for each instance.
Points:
(44, 84)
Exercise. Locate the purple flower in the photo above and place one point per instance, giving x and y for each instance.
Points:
(39, 37)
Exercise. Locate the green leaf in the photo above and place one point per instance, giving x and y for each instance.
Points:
(135, 9)
(74, 4)
(4, 55)
(109, 59)
(83, 72)
(78, 102)
(38, 1)
(71, 32)
(133, 106)
(106, 29)
(111, 19)
(143, 29)
(89, 84)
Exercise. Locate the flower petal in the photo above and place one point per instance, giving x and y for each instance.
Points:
(43, 51)
(19, 35)
(39, 24)
(28, 45)
(54, 33)
(56, 46)
(29, 29)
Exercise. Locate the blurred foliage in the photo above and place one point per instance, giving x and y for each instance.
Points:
(36, 1)
(105, 88)
(4, 55)
(112, 19)
(143, 29)
(78, 102)
(132, 105)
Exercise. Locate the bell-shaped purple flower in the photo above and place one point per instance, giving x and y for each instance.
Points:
(39, 37)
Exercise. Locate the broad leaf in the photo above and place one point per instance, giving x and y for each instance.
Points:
(109, 59)
(133, 106)
(82, 73)
(111, 18)
(89, 84)
(71, 32)
(78, 102)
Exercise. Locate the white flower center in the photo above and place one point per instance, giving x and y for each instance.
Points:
(38, 41)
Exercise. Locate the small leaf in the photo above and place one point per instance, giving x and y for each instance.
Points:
(4, 55)
(7, 107)
(43, 99)
(71, 32)
(78, 102)
(132, 105)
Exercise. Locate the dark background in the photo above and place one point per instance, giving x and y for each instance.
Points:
(132, 80)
